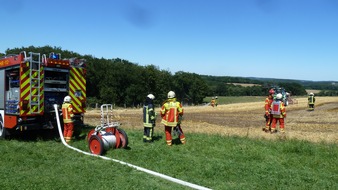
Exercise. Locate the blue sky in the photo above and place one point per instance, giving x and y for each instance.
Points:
(287, 39)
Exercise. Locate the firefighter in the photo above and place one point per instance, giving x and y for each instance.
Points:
(213, 102)
(67, 113)
(149, 118)
(311, 101)
(267, 115)
(171, 113)
(278, 112)
(216, 103)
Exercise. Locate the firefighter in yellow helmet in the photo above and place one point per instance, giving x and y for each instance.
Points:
(149, 118)
(171, 113)
(67, 114)
(311, 101)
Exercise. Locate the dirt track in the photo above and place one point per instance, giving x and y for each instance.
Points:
(245, 119)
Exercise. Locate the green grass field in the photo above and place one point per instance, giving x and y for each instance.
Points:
(211, 161)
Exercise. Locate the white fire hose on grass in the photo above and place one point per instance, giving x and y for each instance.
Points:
(125, 163)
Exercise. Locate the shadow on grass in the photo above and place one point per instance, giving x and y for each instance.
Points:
(45, 134)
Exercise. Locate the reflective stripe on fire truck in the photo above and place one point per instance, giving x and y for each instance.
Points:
(26, 107)
(77, 89)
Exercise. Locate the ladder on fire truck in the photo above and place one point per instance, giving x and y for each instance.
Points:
(34, 73)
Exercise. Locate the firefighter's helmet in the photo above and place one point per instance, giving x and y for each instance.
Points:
(279, 96)
(171, 94)
(151, 96)
(67, 99)
(311, 94)
(271, 91)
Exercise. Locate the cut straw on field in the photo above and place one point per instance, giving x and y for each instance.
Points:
(245, 119)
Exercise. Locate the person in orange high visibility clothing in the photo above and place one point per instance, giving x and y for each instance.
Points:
(267, 107)
(67, 113)
(278, 112)
(171, 112)
(213, 102)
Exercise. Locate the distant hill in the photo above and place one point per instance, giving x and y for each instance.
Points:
(303, 82)
(317, 85)
(227, 85)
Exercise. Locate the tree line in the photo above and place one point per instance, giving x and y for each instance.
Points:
(124, 83)
(227, 86)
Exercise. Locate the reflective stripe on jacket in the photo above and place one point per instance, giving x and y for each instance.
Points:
(170, 112)
(67, 112)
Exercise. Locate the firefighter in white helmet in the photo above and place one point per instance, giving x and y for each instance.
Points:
(67, 113)
(278, 112)
(311, 101)
(149, 118)
(171, 113)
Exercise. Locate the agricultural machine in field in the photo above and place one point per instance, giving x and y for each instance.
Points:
(30, 84)
(285, 95)
(107, 135)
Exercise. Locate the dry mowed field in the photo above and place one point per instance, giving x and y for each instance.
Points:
(244, 119)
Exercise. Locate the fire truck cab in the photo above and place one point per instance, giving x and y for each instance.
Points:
(30, 84)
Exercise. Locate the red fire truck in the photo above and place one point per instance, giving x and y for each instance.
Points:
(30, 84)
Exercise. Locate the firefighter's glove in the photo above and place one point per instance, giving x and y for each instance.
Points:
(180, 118)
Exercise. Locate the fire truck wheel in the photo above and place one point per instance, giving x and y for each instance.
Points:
(96, 145)
(124, 138)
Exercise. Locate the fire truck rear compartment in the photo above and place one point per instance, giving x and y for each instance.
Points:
(32, 84)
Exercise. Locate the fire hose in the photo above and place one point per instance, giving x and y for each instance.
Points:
(178, 181)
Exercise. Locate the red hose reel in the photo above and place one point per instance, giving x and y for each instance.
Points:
(108, 135)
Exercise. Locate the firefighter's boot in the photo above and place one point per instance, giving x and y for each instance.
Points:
(266, 129)
(273, 130)
(183, 141)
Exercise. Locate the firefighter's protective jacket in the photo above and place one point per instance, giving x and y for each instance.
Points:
(278, 109)
(67, 112)
(311, 100)
(213, 102)
(149, 115)
(268, 102)
(170, 112)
